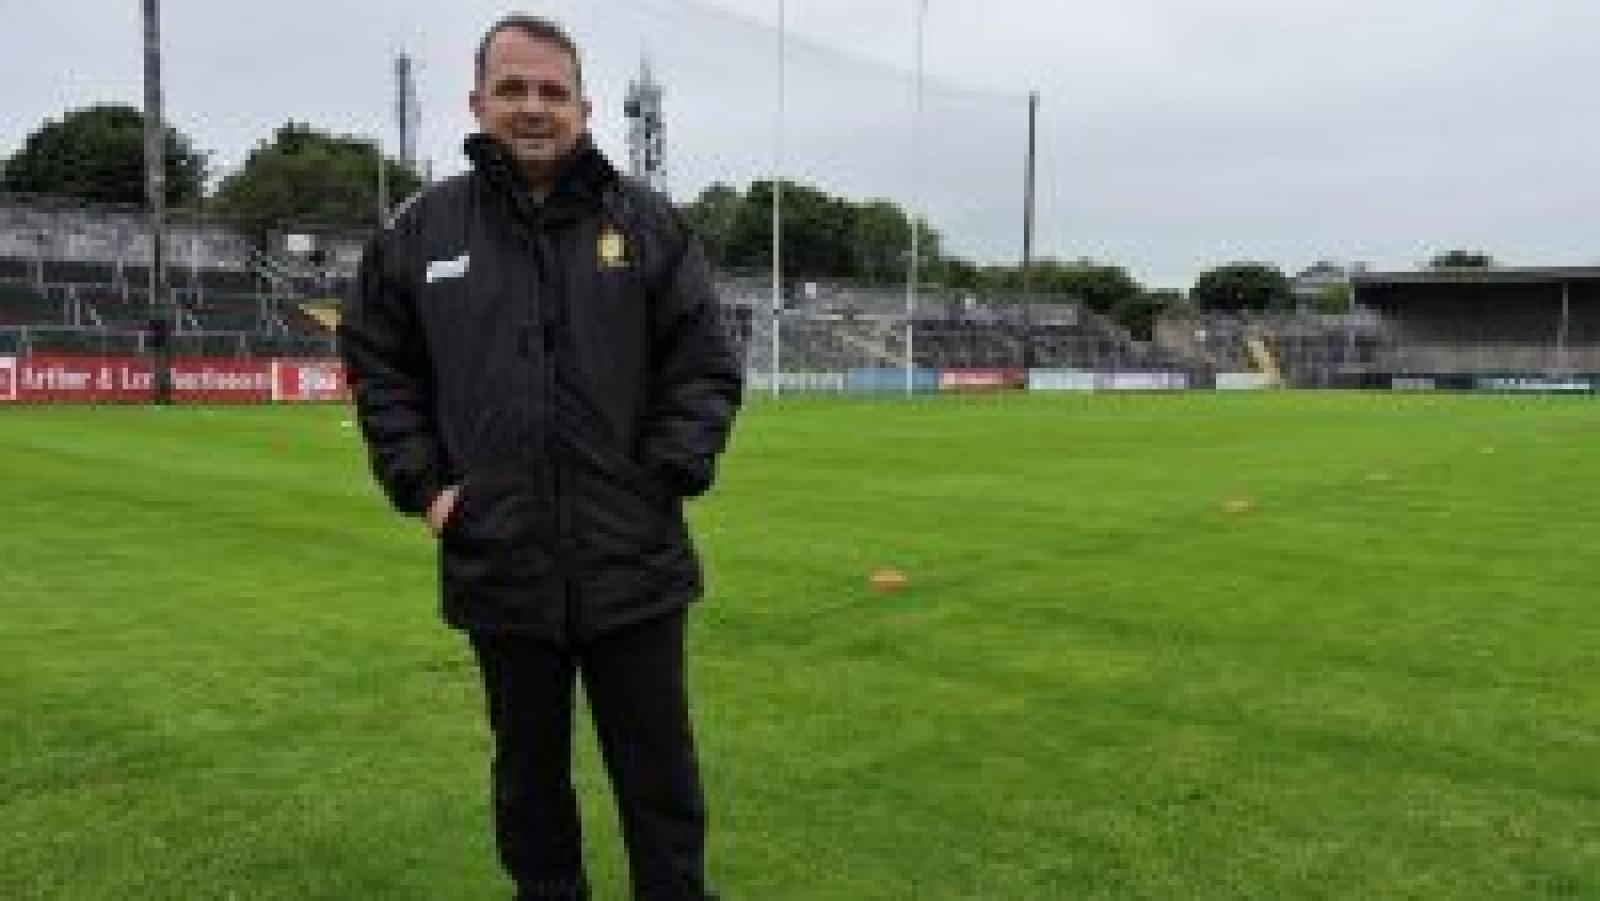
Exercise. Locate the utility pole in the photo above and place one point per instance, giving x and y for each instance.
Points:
(162, 314)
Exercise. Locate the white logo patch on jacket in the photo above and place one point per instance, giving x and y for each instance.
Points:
(443, 269)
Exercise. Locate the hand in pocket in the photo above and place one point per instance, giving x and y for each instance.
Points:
(439, 511)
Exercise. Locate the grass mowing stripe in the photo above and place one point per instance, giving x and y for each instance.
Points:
(222, 653)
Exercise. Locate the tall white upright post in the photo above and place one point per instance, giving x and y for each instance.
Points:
(914, 270)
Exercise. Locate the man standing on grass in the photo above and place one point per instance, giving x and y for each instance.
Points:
(541, 374)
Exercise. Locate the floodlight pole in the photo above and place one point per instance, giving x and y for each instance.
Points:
(1028, 199)
(161, 312)
(1563, 330)
(383, 183)
(1028, 193)
(1349, 320)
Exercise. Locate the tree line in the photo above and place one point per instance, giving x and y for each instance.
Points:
(298, 176)
(304, 176)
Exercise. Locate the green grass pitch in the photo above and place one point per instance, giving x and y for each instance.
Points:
(1262, 646)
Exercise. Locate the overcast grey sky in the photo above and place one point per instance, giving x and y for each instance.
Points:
(1175, 134)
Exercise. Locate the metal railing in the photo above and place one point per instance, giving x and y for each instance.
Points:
(64, 339)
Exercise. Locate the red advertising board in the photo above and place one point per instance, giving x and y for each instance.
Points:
(222, 381)
(308, 380)
(46, 378)
(982, 379)
(62, 378)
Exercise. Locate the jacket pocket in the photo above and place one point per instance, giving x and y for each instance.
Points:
(626, 518)
(460, 528)
(491, 538)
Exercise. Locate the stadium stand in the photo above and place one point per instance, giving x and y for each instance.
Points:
(831, 326)
(1302, 348)
(88, 268)
(66, 266)
(74, 277)
(1486, 321)
(21, 305)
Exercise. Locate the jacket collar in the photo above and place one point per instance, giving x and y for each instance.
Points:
(586, 177)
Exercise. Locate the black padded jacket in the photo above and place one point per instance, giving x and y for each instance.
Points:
(562, 361)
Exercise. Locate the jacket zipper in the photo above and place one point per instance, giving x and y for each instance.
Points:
(551, 322)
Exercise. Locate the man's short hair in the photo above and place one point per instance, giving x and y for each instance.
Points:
(537, 27)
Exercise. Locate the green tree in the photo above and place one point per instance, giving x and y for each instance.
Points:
(1334, 298)
(712, 215)
(1242, 286)
(1462, 259)
(999, 279)
(881, 236)
(307, 176)
(1102, 287)
(97, 154)
(1139, 314)
(826, 236)
(957, 274)
(749, 240)
(930, 249)
(817, 232)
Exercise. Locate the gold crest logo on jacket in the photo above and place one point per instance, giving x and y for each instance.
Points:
(612, 249)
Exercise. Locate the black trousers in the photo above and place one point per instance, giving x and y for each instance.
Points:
(634, 680)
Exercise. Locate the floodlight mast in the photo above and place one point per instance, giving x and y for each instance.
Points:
(162, 318)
